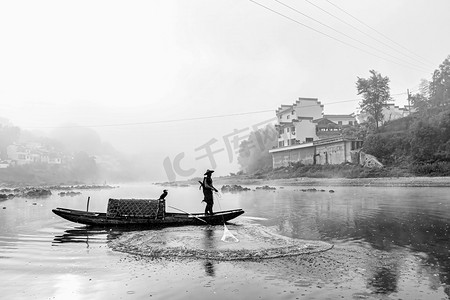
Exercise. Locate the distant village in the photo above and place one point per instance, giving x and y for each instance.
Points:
(308, 136)
(32, 153)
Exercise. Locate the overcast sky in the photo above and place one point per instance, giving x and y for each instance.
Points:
(107, 63)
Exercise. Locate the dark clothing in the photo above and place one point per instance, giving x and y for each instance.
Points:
(209, 208)
(208, 194)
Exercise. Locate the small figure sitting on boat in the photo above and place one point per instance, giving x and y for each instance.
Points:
(163, 195)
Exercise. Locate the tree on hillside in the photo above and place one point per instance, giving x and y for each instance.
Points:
(435, 94)
(254, 153)
(84, 166)
(8, 135)
(375, 93)
(430, 138)
(78, 139)
(440, 85)
(420, 100)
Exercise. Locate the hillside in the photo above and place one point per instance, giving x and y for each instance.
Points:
(418, 144)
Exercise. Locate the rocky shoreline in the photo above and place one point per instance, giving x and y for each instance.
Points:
(46, 191)
(331, 182)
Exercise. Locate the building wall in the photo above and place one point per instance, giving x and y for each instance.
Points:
(303, 108)
(334, 153)
(392, 112)
(288, 115)
(344, 119)
(18, 154)
(285, 138)
(309, 107)
(305, 129)
(303, 155)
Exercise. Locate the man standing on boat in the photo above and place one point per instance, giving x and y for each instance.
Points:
(208, 189)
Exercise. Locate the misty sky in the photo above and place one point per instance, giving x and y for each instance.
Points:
(126, 68)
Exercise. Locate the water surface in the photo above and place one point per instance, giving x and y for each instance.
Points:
(389, 243)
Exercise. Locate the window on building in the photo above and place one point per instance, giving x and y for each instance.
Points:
(350, 123)
(293, 129)
(308, 140)
(288, 116)
(280, 144)
(292, 112)
(339, 122)
(287, 129)
(293, 142)
(356, 145)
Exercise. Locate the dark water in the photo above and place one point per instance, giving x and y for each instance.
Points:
(390, 243)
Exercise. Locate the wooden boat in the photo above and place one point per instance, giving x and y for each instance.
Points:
(117, 216)
(170, 219)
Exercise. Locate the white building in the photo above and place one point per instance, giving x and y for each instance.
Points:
(303, 122)
(390, 112)
(30, 153)
(295, 122)
(308, 136)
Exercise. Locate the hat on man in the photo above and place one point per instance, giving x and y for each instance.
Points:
(209, 171)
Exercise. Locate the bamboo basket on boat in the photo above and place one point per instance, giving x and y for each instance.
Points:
(145, 208)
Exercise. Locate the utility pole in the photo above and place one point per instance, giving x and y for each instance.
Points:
(409, 102)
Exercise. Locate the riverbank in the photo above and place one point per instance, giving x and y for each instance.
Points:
(329, 182)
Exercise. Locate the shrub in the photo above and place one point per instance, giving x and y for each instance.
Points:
(440, 168)
(389, 147)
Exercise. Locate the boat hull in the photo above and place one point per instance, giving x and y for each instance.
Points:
(170, 219)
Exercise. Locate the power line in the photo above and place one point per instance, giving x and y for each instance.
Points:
(159, 122)
(381, 34)
(368, 35)
(187, 119)
(331, 37)
(346, 35)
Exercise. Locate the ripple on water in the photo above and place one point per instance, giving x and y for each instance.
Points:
(255, 242)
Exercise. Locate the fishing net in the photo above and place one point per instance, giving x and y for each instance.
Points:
(228, 236)
(146, 208)
(204, 242)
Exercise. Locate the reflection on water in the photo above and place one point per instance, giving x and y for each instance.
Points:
(384, 280)
(386, 219)
(209, 243)
(87, 235)
(209, 268)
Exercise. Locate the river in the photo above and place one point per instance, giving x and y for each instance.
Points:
(388, 243)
